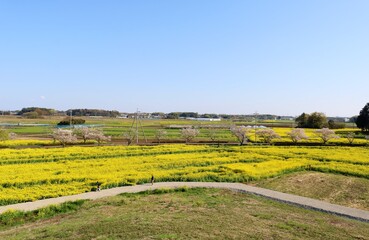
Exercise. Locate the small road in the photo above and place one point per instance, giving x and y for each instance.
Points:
(304, 202)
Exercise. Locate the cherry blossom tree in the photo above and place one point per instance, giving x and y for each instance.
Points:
(267, 135)
(83, 133)
(189, 134)
(297, 134)
(325, 134)
(98, 135)
(241, 133)
(64, 136)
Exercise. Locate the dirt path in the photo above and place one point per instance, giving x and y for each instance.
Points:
(282, 197)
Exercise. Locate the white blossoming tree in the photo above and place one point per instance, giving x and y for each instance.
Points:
(297, 134)
(325, 134)
(64, 136)
(83, 133)
(98, 135)
(241, 133)
(189, 134)
(267, 135)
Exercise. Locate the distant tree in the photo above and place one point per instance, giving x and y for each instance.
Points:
(40, 111)
(189, 134)
(64, 136)
(74, 121)
(302, 120)
(317, 120)
(4, 134)
(172, 115)
(297, 134)
(188, 115)
(31, 115)
(93, 112)
(362, 121)
(350, 137)
(241, 133)
(160, 134)
(325, 134)
(267, 134)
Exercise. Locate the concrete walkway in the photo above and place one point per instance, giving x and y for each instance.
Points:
(282, 197)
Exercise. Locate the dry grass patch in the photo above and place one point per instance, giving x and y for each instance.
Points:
(337, 189)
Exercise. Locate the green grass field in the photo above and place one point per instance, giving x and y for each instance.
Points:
(187, 214)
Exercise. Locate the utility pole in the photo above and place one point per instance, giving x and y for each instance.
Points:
(256, 114)
(136, 125)
(136, 119)
(70, 119)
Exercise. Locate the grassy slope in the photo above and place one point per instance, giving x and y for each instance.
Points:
(338, 189)
(194, 214)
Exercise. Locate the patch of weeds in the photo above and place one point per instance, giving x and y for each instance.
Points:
(156, 191)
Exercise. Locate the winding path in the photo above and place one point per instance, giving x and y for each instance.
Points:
(239, 187)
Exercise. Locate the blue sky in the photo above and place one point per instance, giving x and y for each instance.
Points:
(279, 57)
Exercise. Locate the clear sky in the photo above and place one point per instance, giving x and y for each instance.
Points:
(280, 57)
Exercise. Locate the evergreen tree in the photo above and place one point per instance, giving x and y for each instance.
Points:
(362, 121)
(302, 120)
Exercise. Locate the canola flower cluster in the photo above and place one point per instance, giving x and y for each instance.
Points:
(31, 174)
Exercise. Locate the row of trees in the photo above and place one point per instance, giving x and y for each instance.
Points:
(65, 136)
(242, 134)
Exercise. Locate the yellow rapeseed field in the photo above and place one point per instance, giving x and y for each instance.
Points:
(31, 174)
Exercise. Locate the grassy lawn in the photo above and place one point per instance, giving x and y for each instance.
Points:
(338, 189)
(189, 214)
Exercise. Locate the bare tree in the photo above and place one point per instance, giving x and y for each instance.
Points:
(267, 135)
(212, 134)
(325, 134)
(98, 135)
(160, 134)
(297, 134)
(241, 133)
(130, 136)
(189, 134)
(350, 137)
(64, 136)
